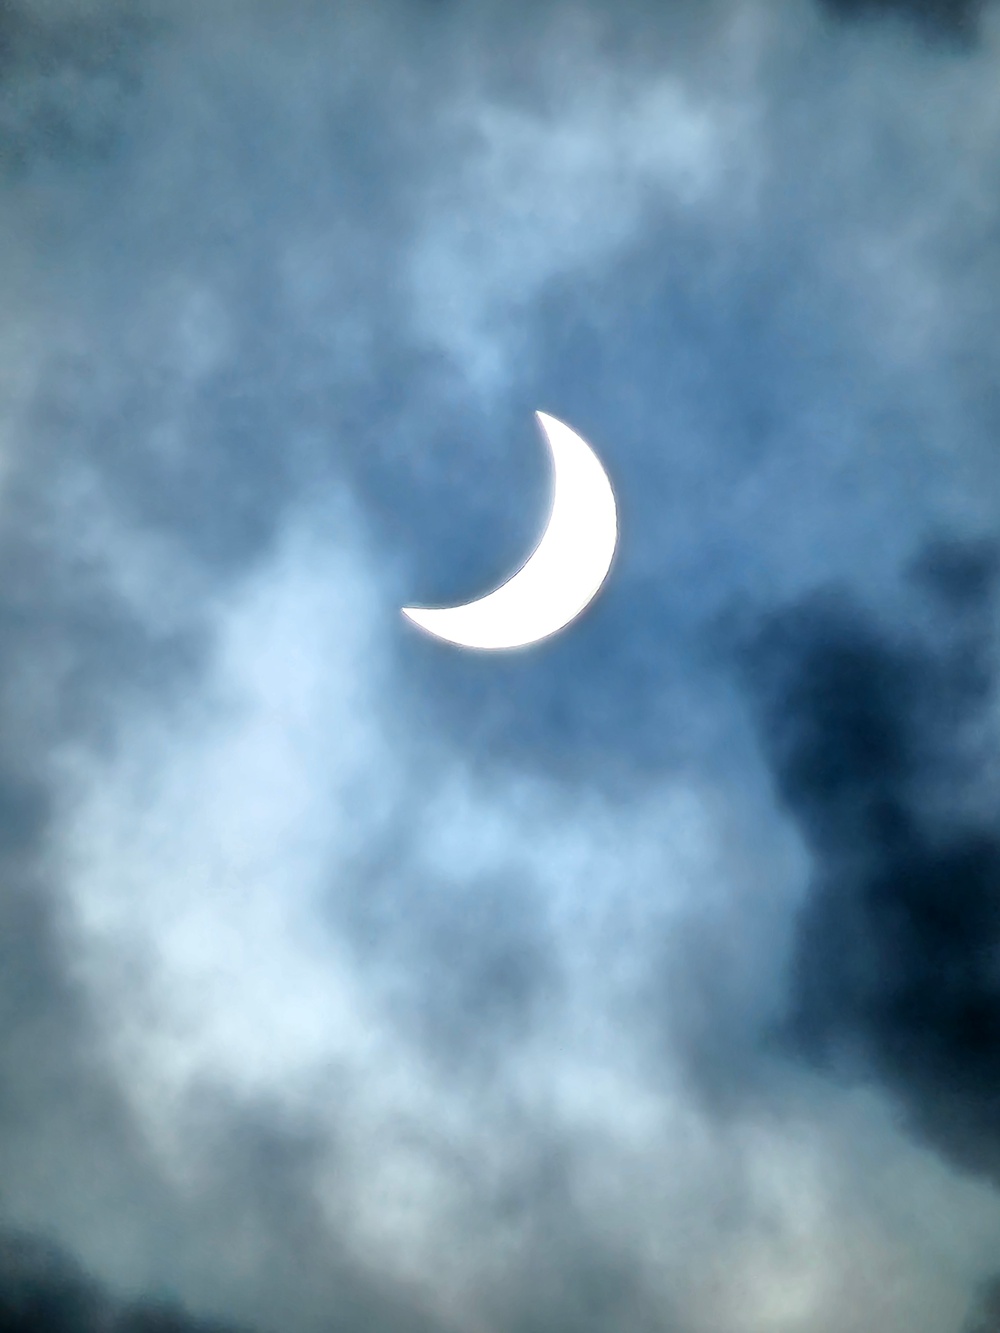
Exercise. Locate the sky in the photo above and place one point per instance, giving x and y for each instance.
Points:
(645, 979)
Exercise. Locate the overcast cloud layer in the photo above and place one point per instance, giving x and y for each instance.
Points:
(643, 980)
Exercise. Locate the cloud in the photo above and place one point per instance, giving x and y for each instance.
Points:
(986, 1315)
(939, 17)
(69, 76)
(456, 1123)
(548, 197)
(355, 983)
(42, 1289)
(875, 742)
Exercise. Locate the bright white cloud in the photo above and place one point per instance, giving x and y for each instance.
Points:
(199, 862)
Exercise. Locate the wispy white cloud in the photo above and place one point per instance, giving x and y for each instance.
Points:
(201, 865)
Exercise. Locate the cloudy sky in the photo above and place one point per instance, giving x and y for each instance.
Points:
(643, 981)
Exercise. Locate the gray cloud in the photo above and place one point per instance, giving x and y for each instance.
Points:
(949, 18)
(349, 982)
(872, 743)
(986, 1314)
(41, 1289)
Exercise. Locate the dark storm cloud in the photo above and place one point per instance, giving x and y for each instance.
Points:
(876, 739)
(43, 1291)
(951, 18)
(67, 81)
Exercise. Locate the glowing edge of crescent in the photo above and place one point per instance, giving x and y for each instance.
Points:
(563, 574)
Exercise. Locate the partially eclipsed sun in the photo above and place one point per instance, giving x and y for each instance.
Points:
(564, 573)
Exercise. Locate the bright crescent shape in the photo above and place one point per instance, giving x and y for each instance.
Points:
(562, 575)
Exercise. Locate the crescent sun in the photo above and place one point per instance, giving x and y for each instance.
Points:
(563, 574)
